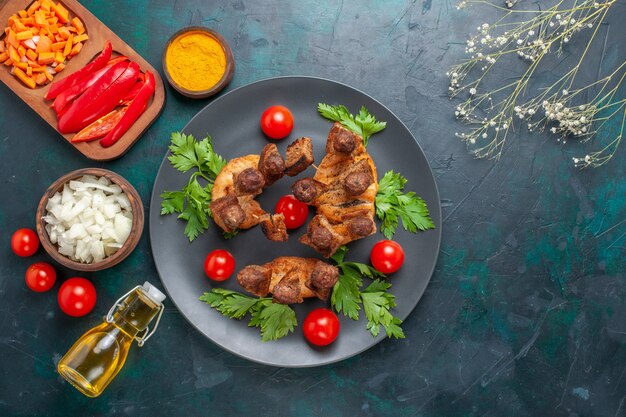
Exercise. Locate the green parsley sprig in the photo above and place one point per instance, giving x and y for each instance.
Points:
(274, 320)
(393, 205)
(363, 123)
(348, 298)
(192, 202)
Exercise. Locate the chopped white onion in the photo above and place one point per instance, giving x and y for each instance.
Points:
(30, 43)
(89, 219)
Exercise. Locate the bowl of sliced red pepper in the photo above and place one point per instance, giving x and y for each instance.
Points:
(102, 100)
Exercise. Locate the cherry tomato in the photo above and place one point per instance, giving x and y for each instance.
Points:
(277, 122)
(40, 276)
(77, 297)
(387, 256)
(295, 211)
(219, 265)
(24, 242)
(321, 327)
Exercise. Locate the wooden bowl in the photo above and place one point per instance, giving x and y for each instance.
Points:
(228, 72)
(127, 247)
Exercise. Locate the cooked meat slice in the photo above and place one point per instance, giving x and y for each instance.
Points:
(224, 182)
(322, 279)
(321, 237)
(253, 210)
(271, 164)
(255, 279)
(287, 291)
(233, 216)
(342, 140)
(307, 189)
(249, 181)
(357, 182)
(299, 156)
(274, 227)
(227, 212)
(361, 226)
(290, 279)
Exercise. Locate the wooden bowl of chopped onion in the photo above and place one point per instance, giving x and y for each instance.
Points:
(90, 219)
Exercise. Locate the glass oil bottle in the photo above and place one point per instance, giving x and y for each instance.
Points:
(98, 355)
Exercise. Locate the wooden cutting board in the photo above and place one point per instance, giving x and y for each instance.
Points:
(98, 33)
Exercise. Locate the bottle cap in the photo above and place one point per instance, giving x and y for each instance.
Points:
(153, 292)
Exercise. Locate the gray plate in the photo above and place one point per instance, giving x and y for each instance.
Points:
(233, 122)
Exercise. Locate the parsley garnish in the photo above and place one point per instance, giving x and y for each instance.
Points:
(274, 320)
(363, 124)
(348, 298)
(192, 202)
(392, 205)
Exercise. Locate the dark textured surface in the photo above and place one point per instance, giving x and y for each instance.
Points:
(524, 315)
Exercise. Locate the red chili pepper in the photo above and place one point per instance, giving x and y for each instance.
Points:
(66, 96)
(100, 98)
(135, 109)
(100, 127)
(98, 62)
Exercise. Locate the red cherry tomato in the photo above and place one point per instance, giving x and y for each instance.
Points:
(24, 242)
(77, 297)
(296, 212)
(321, 327)
(219, 265)
(40, 276)
(387, 256)
(277, 122)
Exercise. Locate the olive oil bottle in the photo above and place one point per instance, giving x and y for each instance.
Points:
(98, 355)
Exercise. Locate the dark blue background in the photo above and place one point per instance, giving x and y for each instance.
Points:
(524, 315)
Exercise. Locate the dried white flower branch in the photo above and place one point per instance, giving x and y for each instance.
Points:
(559, 107)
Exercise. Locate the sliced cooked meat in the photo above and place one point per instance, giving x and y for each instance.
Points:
(274, 228)
(342, 140)
(299, 156)
(224, 186)
(255, 279)
(322, 279)
(321, 236)
(290, 279)
(227, 212)
(361, 226)
(357, 182)
(249, 181)
(343, 191)
(271, 164)
(287, 291)
(307, 189)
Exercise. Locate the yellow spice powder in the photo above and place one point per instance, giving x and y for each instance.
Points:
(196, 61)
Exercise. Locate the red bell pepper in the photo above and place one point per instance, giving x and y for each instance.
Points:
(66, 96)
(100, 127)
(117, 59)
(99, 99)
(135, 109)
(133, 91)
(97, 63)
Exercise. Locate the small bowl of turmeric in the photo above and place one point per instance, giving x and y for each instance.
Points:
(198, 62)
